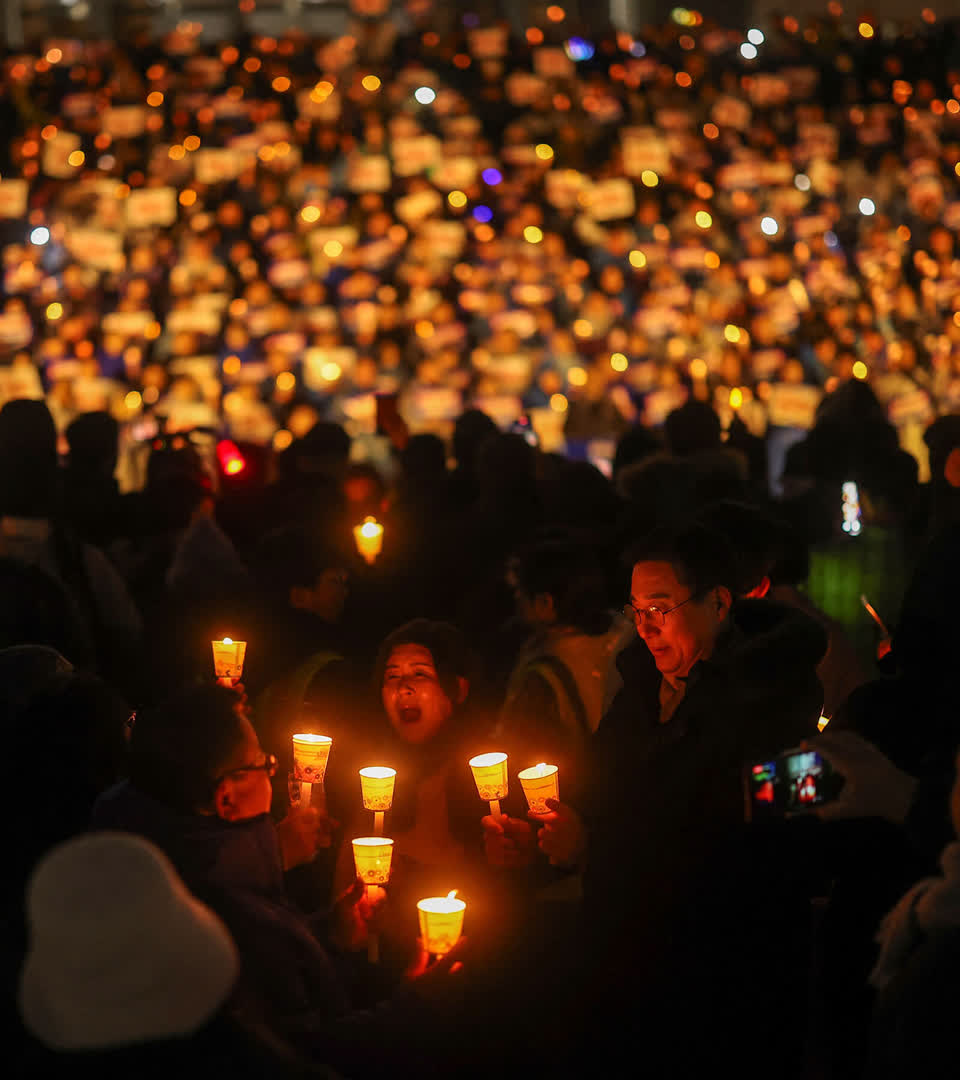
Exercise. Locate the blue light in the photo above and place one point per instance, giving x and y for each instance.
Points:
(578, 48)
(492, 176)
(482, 213)
(638, 49)
(830, 239)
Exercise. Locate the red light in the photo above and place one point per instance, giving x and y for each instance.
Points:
(231, 460)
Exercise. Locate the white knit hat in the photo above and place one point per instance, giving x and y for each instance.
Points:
(120, 952)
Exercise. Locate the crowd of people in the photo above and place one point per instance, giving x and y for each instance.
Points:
(643, 351)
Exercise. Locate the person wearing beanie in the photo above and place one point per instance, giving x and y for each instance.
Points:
(127, 973)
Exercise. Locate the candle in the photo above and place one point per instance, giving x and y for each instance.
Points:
(228, 658)
(823, 721)
(376, 789)
(369, 538)
(539, 784)
(372, 856)
(490, 776)
(310, 753)
(441, 922)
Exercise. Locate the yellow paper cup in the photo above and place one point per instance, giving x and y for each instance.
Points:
(490, 775)
(228, 658)
(376, 787)
(369, 538)
(310, 753)
(372, 856)
(539, 784)
(441, 922)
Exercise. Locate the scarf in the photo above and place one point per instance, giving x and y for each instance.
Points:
(932, 904)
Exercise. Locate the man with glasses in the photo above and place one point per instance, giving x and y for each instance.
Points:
(679, 899)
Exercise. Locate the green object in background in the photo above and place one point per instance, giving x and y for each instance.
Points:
(872, 564)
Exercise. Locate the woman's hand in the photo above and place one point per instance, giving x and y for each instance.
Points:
(563, 836)
(301, 835)
(356, 914)
(432, 980)
(508, 842)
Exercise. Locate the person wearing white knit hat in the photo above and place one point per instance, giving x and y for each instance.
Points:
(120, 952)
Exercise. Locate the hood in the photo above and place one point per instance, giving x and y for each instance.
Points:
(770, 641)
(207, 852)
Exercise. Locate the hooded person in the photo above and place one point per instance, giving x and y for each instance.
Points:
(127, 973)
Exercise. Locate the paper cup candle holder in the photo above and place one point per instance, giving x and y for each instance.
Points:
(441, 922)
(372, 856)
(539, 783)
(490, 776)
(228, 656)
(369, 539)
(310, 754)
(376, 789)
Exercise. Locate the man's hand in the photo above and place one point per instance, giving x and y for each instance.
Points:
(563, 836)
(874, 786)
(434, 979)
(301, 835)
(507, 841)
(356, 914)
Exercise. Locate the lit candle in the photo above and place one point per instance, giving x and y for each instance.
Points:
(369, 539)
(490, 776)
(228, 658)
(310, 753)
(372, 856)
(376, 788)
(441, 922)
(539, 784)
(823, 721)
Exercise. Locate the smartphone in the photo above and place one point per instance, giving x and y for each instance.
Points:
(522, 426)
(850, 509)
(792, 783)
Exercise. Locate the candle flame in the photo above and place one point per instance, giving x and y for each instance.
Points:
(228, 641)
(452, 894)
(541, 764)
(370, 528)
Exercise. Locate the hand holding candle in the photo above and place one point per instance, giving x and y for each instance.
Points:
(372, 856)
(490, 776)
(228, 657)
(563, 836)
(369, 539)
(539, 784)
(441, 922)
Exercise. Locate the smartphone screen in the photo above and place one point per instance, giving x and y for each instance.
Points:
(850, 509)
(792, 783)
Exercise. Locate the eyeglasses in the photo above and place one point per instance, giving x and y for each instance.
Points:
(654, 615)
(269, 766)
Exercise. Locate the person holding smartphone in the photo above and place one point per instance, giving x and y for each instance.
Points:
(679, 905)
